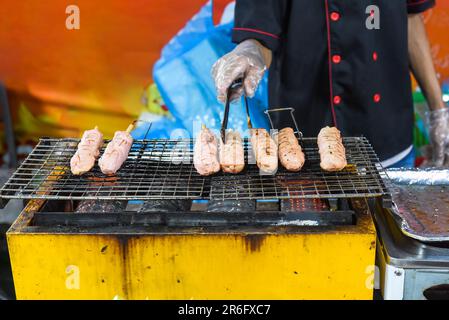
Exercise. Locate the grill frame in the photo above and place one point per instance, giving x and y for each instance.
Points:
(155, 170)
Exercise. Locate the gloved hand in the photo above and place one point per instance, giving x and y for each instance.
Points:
(245, 61)
(438, 121)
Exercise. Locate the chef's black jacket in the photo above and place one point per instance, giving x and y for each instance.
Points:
(334, 70)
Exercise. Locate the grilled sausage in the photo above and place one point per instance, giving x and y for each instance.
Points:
(87, 153)
(265, 150)
(205, 153)
(116, 152)
(232, 156)
(331, 149)
(290, 152)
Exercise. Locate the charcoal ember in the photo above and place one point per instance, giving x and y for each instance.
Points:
(171, 205)
(100, 206)
(231, 206)
(298, 205)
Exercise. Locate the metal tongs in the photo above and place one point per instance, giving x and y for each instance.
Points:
(237, 84)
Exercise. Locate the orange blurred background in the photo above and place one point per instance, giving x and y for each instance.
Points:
(64, 81)
(61, 82)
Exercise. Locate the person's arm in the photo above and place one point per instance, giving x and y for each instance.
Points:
(422, 67)
(421, 62)
(249, 61)
(266, 53)
(258, 30)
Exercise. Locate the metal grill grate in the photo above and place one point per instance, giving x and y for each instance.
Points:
(163, 169)
(362, 177)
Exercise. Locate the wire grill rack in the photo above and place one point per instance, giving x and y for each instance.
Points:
(163, 169)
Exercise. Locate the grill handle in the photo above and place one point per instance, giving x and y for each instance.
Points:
(292, 110)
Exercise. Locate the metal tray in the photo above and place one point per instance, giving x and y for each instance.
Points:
(421, 199)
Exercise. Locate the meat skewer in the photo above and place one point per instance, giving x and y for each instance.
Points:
(290, 152)
(205, 153)
(232, 155)
(331, 149)
(116, 152)
(265, 150)
(87, 153)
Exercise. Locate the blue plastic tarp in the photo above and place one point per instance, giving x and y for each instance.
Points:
(183, 77)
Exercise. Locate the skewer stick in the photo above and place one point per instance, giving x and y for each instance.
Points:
(130, 127)
(203, 126)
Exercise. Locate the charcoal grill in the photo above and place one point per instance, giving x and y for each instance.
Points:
(163, 169)
(310, 236)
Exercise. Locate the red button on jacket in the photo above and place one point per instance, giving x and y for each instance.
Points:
(337, 100)
(376, 98)
(336, 58)
(335, 16)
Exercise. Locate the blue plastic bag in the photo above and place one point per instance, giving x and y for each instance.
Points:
(183, 77)
(158, 127)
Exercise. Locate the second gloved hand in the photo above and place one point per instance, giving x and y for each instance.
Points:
(438, 121)
(245, 61)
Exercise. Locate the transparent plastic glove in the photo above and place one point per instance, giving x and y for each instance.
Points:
(438, 121)
(245, 61)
